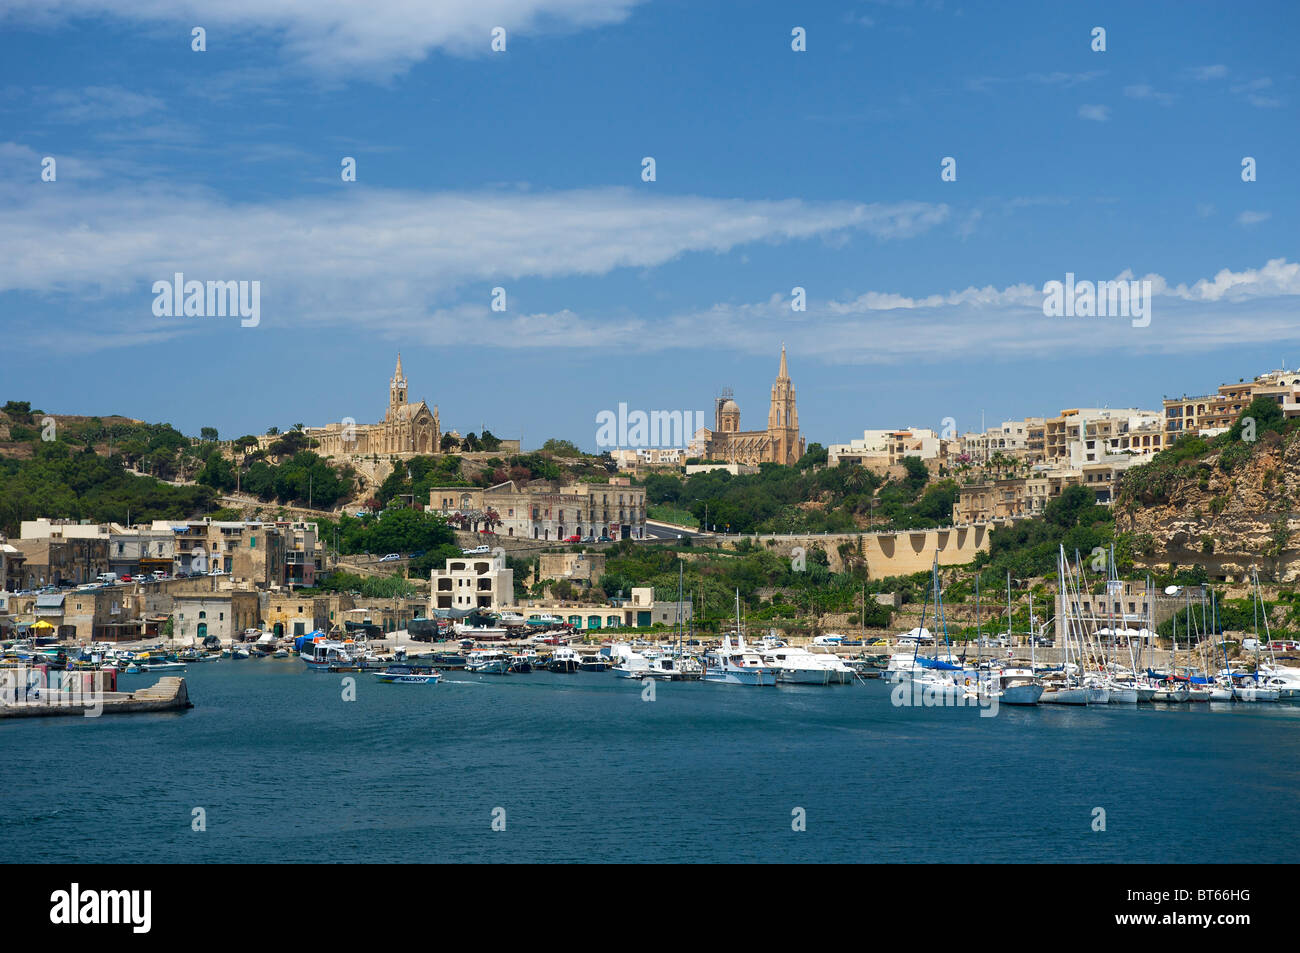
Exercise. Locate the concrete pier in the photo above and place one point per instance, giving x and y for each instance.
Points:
(169, 694)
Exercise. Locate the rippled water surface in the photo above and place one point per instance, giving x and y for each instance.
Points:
(286, 770)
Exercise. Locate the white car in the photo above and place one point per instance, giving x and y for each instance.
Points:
(476, 551)
(390, 558)
(217, 572)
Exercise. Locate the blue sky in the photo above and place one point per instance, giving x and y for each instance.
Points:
(522, 169)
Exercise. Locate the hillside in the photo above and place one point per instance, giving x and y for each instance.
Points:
(1226, 504)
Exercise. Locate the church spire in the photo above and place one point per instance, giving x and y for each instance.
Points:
(783, 373)
(396, 390)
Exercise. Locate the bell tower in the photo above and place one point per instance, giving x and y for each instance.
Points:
(396, 390)
(783, 418)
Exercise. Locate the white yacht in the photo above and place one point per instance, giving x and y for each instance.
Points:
(488, 662)
(628, 663)
(737, 665)
(796, 665)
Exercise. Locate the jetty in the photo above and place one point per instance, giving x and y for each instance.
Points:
(169, 694)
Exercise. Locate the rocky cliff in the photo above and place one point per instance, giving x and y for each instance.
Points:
(1229, 510)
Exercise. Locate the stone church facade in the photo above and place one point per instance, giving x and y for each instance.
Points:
(406, 428)
(779, 443)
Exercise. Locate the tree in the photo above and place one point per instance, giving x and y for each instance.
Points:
(19, 411)
(1064, 510)
(208, 433)
(449, 443)
(561, 448)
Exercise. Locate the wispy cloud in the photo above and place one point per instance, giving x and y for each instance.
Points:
(1149, 93)
(1095, 113)
(881, 327)
(1059, 79)
(96, 104)
(379, 38)
(355, 252)
(1248, 218)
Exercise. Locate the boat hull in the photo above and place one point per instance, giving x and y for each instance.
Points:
(731, 677)
(1064, 696)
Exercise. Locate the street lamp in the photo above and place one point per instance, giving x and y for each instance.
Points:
(706, 512)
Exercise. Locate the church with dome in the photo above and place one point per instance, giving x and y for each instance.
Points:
(779, 443)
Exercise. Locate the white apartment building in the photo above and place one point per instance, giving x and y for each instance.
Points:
(472, 583)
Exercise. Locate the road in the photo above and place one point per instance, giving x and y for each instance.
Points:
(667, 531)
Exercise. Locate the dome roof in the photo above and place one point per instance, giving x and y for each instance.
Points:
(729, 406)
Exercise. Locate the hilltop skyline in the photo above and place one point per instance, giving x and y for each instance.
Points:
(522, 170)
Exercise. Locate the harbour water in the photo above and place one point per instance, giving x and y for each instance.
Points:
(286, 770)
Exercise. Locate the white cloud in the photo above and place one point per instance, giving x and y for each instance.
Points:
(1150, 93)
(97, 103)
(378, 37)
(1232, 308)
(1095, 113)
(328, 258)
(1253, 218)
(879, 327)
(1214, 71)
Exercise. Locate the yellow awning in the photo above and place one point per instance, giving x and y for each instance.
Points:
(42, 625)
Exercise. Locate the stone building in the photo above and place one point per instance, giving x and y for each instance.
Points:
(779, 443)
(406, 428)
(222, 614)
(545, 510)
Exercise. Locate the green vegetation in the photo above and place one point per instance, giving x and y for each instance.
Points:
(62, 480)
(713, 576)
(800, 499)
(1029, 548)
(1261, 424)
(405, 531)
(376, 587)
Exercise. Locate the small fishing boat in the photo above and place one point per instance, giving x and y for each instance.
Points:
(161, 666)
(408, 675)
(564, 660)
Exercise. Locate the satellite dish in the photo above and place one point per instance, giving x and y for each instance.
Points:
(1171, 590)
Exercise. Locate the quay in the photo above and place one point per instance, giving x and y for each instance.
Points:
(169, 694)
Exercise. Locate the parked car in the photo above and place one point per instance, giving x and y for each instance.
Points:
(588, 539)
(476, 551)
(390, 558)
(604, 539)
(217, 572)
(573, 539)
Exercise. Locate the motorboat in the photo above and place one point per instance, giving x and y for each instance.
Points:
(488, 662)
(408, 675)
(737, 665)
(1013, 686)
(796, 665)
(564, 659)
(628, 663)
